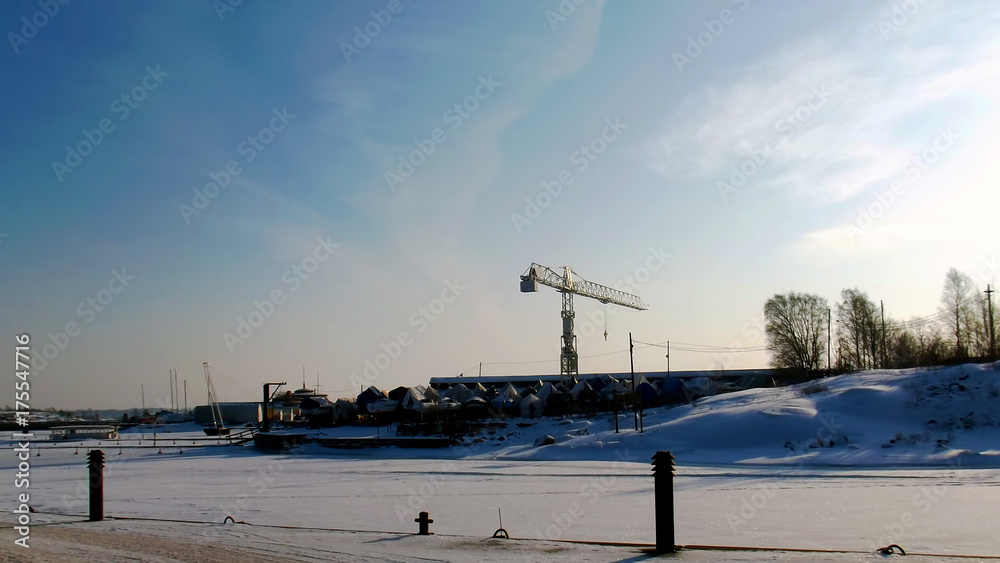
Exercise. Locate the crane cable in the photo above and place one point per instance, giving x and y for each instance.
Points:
(605, 322)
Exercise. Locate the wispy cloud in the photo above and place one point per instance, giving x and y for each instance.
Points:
(428, 217)
(879, 100)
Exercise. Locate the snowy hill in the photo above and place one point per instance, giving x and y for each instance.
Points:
(941, 416)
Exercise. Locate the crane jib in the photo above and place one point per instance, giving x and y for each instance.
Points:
(538, 274)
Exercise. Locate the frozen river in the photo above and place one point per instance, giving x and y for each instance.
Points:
(924, 510)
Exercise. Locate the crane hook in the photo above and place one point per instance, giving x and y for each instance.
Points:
(605, 322)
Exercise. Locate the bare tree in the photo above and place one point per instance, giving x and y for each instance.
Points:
(905, 349)
(958, 304)
(858, 318)
(992, 321)
(931, 346)
(985, 334)
(796, 330)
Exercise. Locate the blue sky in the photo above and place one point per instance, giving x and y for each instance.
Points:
(707, 154)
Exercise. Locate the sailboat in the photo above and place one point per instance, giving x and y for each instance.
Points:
(218, 427)
(315, 406)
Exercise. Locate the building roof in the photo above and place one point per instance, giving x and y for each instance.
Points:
(524, 380)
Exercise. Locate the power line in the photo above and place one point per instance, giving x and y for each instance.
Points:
(940, 315)
(706, 348)
(557, 359)
(524, 362)
(229, 379)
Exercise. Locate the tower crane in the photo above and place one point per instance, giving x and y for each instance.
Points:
(569, 283)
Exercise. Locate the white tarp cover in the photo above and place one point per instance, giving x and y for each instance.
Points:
(614, 387)
(532, 406)
(545, 390)
(510, 392)
(459, 392)
(580, 386)
(412, 399)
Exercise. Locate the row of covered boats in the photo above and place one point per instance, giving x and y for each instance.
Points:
(529, 399)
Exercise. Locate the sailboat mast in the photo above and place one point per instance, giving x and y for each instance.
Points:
(213, 406)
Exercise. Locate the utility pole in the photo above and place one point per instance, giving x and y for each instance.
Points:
(635, 395)
(668, 358)
(993, 342)
(142, 389)
(171, 372)
(885, 357)
(185, 396)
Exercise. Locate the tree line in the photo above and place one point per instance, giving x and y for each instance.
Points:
(805, 333)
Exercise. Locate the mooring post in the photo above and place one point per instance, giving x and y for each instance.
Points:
(663, 486)
(424, 522)
(95, 462)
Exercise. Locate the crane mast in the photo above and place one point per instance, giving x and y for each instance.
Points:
(570, 284)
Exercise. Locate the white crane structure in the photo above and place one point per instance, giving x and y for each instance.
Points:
(570, 283)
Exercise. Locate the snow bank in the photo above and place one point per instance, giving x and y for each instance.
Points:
(943, 416)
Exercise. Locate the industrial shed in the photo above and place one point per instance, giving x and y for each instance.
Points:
(232, 413)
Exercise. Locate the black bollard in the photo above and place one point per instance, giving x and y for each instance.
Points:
(663, 485)
(424, 522)
(95, 461)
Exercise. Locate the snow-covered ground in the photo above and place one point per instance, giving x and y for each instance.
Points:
(849, 463)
